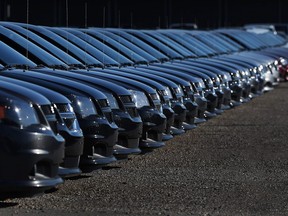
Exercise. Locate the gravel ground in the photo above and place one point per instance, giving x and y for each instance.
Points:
(234, 164)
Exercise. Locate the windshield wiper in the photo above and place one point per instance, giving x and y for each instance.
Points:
(59, 67)
(16, 66)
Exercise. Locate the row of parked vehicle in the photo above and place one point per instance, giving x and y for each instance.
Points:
(75, 97)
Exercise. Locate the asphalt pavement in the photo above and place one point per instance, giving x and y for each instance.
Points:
(233, 164)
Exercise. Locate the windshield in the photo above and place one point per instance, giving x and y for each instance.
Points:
(10, 57)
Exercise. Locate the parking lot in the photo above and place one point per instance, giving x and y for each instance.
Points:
(233, 164)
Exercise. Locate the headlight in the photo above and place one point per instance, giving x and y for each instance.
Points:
(201, 84)
(112, 100)
(209, 82)
(139, 98)
(180, 99)
(276, 62)
(283, 61)
(18, 114)
(83, 106)
(260, 67)
(238, 74)
(168, 102)
(159, 107)
(179, 90)
(274, 70)
(168, 92)
(68, 116)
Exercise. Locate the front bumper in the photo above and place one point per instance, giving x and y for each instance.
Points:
(202, 107)
(29, 162)
(130, 132)
(100, 137)
(236, 93)
(73, 150)
(170, 118)
(191, 114)
(180, 114)
(212, 101)
(246, 93)
(154, 125)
